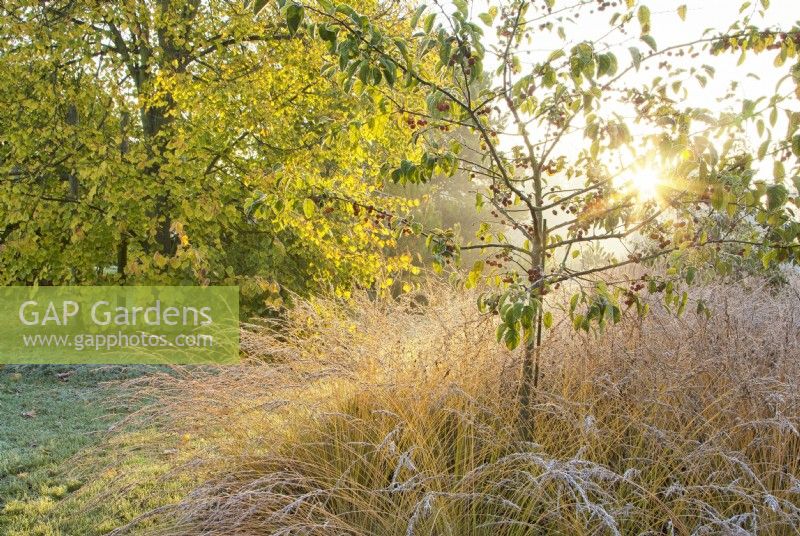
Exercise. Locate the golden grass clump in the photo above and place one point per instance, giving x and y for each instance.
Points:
(387, 418)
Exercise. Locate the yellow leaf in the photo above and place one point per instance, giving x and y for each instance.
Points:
(308, 208)
(159, 260)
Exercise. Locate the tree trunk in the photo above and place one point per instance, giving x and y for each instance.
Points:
(122, 256)
(155, 123)
(529, 380)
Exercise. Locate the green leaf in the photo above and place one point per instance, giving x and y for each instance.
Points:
(526, 318)
(488, 18)
(547, 319)
(294, 17)
(644, 18)
(573, 302)
(461, 6)
(796, 145)
(501, 330)
(650, 42)
(777, 195)
(768, 257)
(603, 65)
(762, 150)
(364, 72)
(327, 34)
(445, 50)
(549, 78)
(691, 272)
(682, 303)
(778, 170)
(637, 57)
(718, 198)
(612, 69)
(513, 313)
(258, 5)
(328, 6)
(388, 69)
(417, 14)
(511, 337)
(427, 24)
(350, 12)
(403, 48)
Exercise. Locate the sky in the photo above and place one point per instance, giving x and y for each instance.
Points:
(669, 29)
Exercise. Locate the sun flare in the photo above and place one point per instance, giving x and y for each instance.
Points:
(643, 182)
(646, 183)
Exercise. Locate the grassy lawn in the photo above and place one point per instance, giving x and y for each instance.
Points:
(54, 463)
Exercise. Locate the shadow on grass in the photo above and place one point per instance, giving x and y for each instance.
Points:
(55, 462)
